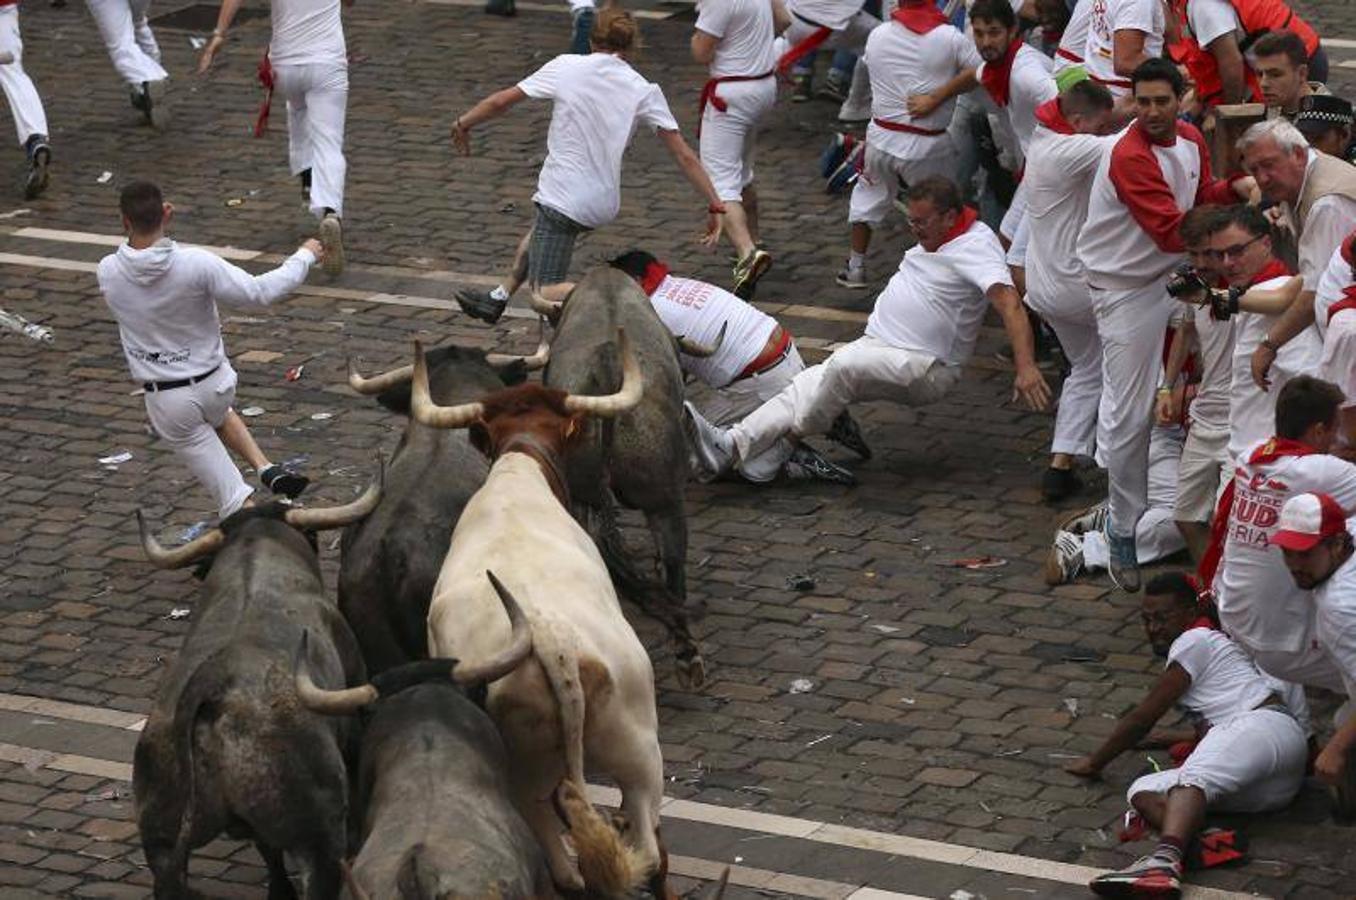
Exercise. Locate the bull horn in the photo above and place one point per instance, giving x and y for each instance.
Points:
(692, 348)
(320, 700)
(353, 887)
(425, 411)
(633, 385)
(325, 517)
(177, 557)
(537, 360)
(543, 307)
(508, 659)
(378, 383)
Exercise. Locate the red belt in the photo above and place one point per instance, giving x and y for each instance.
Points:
(709, 94)
(804, 48)
(910, 129)
(776, 349)
(1112, 82)
(1069, 55)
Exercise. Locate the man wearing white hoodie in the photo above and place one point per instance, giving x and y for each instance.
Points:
(164, 298)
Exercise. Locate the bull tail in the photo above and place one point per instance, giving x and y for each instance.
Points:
(608, 866)
(206, 683)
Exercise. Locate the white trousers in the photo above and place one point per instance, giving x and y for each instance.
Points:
(1156, 534)
(1252, 763)
(317, 104)
(1076, 417)
(24, 103)
(127, 35)
(1132, 324)
(866, 369)
(187, 418)
(735, 401)
(728, 137)
(883, 172)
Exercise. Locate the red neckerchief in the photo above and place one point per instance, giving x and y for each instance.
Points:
(1274, 449)
(1273, 269)
(1348, 301)
(1201, 622)
(967, 217)
(265, 79)
(996, 75)
(654, 276)
(1052, 117)
(919, 16)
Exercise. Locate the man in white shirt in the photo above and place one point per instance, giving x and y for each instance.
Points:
(309, 63)
(915, 52)
(921, 332)
(734, 40)
(30, 121)
(135, 54)
(164, 298)
(1314, 535)
(1157, 169)
(743, 356)
(1073, 42)
(1066, 147)
(1122, 34)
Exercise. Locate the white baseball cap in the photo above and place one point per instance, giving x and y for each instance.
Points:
(1307, 519)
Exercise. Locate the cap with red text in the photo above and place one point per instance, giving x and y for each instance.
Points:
(1307, 519)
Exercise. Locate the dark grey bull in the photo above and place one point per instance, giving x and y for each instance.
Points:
(389, 562)
(228, 746)
(432, 783)
(638, 459)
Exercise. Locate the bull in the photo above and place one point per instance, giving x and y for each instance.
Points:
(432, 784)
(589, 686)
(389, 562)
(639, 459)
(228, 747)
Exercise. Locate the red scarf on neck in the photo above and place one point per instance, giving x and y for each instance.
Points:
(967, 217)
(1052, 117)
(1274, 449)
(1348, 301)
(1273, 269)
(654, 276)
(919, 16)
(996, 75)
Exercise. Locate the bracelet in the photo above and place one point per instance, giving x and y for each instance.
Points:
(1164, 389)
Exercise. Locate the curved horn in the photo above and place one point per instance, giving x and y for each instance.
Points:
(425, 411)
(543, 307)
(537, 360)
(324, 517)
(692, 348)
(378, 383)
(177, 557)
(633, 385)
(508, 659)
(318, 699)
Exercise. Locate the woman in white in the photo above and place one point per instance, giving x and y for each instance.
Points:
(126, 30)
(598, 100)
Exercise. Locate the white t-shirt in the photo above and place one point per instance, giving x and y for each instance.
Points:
(1258, 600)
(1335, 279)
(1338, 362)
(1211, 19)
(1107, 18)
(1073, 43)
(1210, 409)
(307, 31)
(936, 302)
(834, 14)
(1030, 84)
(902, 62)
(1321, 233)
(598, 101)
(1224, 680)
(1335, 611)
(697, 310)
(745, 32)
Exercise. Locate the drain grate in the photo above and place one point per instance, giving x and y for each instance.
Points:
(202, 17)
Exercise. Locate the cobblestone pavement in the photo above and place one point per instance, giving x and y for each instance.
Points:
(941, 700)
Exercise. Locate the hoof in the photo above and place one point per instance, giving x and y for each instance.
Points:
(691, 672)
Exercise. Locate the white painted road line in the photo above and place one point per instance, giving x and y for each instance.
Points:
(72, 712)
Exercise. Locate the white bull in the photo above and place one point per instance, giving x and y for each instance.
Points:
(588, 690)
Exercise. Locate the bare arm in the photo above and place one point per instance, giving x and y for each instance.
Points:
(923, 104)
(1127, 51)
(1029, 383)
(1297, 317)
(224, 19)
(1167, 407)
(1231, 68)
(781, 19)
(704, 47)
(491, 107)
(1135, 725)
(691, 167)
(1272, 302)
(1332, 760)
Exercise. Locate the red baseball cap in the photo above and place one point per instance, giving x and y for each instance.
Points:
(1307, 519)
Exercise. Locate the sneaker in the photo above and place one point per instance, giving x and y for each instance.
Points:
(806, 464)
(1065, 559)
(835, 87)
(332, 239)
(713, 447)
(583, 26)
(848, 171)
(854, 279)
(1084, 520)
(802, 88)
(845, 432)
(280, 481)
(157, 109)
(480, 305)
(1149, 876)
(39, 156)
(832, 156)
(1059, 484)
(1124, 563)
(748, 270)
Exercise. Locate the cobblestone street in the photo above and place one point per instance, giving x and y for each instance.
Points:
(899, 693)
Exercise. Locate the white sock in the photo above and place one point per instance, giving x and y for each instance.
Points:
(500, 294)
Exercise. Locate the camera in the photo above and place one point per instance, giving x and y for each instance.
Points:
(1186, 281)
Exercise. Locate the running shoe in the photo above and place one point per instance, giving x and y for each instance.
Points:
(748, 270)
(1065, 559)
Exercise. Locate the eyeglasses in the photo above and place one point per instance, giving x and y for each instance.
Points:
(1234, 252)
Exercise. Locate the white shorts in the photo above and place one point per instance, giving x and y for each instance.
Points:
(728, 138)
(1015, 214)
(884, 173)
(1251, 763)
(1200, 475)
